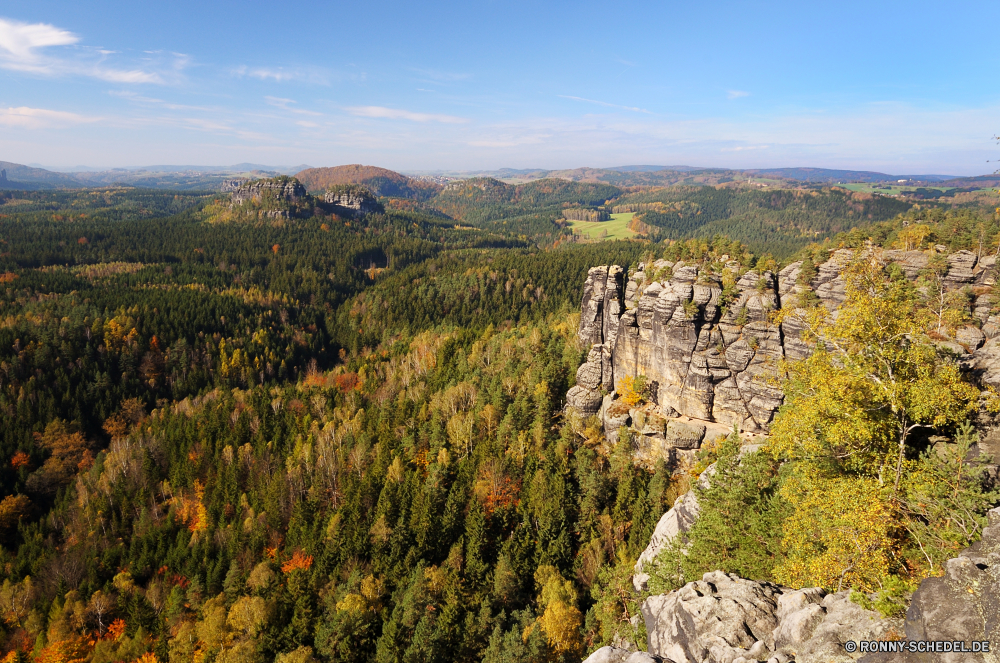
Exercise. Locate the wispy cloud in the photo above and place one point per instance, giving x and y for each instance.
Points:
(312, 75)
(140, 99)
(24, 47)
(40, 118)
(285, 104)
(399, 114)
(736, 94)
(604, 103)
(744, 148)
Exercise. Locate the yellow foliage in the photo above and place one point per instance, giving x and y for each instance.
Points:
(912, 237)
(561, 624)
(840, 533)
(354, 603)
(561, 620)
(632, 390)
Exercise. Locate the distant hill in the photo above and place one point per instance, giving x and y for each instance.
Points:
(480, 200)
(20, 176)
(978, 182)
(381, 181)
(826, 175)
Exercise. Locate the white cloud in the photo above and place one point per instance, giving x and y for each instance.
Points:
(399, 114)
(22, 40)
(604, 103)
(736, 94)
(22, 47)
(40, 118)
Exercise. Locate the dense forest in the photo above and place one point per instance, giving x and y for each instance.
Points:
(232, 437)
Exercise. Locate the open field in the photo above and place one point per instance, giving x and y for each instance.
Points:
(617, 227)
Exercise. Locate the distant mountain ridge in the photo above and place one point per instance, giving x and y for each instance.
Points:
(385, 182)
(832, 175)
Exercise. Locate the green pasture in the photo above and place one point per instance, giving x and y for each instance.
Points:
(617, 227)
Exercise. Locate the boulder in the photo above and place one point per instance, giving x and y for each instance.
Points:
(723, 617)
(684, 435)
(609, 655)
(970, 337)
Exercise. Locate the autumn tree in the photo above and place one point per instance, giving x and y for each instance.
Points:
(850, 412)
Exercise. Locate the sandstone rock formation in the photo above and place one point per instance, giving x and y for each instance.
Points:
(713, 356)
(282, 192)
(351, 200)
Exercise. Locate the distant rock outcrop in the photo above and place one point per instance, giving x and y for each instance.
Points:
(279, 197)
(351, 200)
(283, 189)
(3, 174)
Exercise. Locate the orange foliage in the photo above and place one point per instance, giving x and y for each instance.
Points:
(76, 650)
(116, 629)
(275, 248)
(19, 460)
(7, 277)
(502, 496)
(82, 240)
(347, 382)
(148, 657)
(298, 562)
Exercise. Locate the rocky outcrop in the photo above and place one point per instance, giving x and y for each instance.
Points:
(723, 618)
(3, 174)
(714, 355)
(351, 200)
(283, 189)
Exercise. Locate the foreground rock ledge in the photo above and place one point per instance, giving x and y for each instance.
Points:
(723, 618)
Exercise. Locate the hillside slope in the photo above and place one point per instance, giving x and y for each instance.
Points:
(381, 181)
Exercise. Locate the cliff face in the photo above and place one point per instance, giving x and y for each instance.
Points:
(288, 190)
(712, 355)
(352, 201)
(280, 197)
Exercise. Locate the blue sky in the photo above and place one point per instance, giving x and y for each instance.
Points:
(901, 87)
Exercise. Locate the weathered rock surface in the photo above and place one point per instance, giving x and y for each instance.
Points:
(721, 361)
(243, 191)
(352, 200)
(723, 618)
(283, 192)
(679, 519)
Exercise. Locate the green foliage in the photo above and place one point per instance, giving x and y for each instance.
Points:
(739, 523)
(944, 500)
(890, 601)
(781, 221)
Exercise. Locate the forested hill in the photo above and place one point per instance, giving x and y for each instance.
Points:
(380, 181)
(777, 221)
